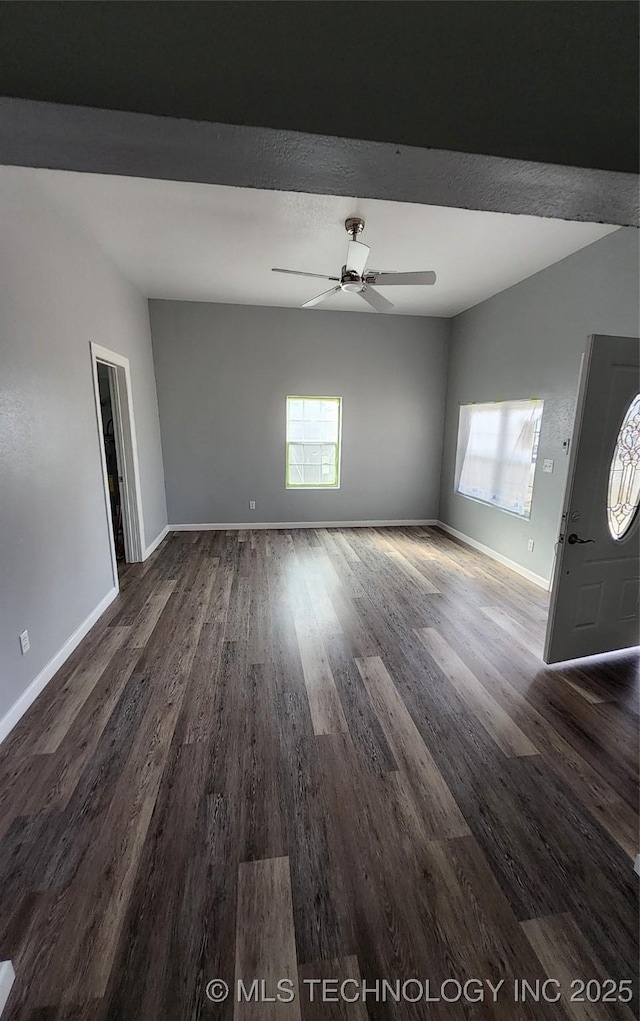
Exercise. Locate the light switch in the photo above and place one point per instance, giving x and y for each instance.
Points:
(547, 465)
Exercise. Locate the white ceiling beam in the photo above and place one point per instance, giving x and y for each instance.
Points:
(54, 136)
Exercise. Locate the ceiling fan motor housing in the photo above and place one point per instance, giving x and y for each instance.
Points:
(350, 281)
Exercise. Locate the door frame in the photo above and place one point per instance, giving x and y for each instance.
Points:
(126, 452)
(554, 580)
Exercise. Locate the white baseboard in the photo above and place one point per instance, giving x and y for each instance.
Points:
(156, 542)
(537, 579)
(7, 975)
(29, 695)
(245, 526)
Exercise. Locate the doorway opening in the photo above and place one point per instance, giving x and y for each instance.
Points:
(112, 457)
(119, 456)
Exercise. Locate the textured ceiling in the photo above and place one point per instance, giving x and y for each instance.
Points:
(199, 242)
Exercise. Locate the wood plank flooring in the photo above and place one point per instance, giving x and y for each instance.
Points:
(320, 756)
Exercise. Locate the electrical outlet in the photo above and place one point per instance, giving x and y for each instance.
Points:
(547, 465)
(530, 545)
(25, 644)
(252, 504)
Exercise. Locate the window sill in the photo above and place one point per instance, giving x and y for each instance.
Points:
(494, 506)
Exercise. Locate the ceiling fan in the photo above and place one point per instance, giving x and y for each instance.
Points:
(356, 277)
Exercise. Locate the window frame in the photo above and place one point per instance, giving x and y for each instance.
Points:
(534, 454)
(288, 484)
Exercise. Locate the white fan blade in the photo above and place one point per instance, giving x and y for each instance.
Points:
(320, 297)
(387, 279)
(298, 273)
(357, 256)
(376, 300)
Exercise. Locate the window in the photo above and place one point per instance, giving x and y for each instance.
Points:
(624, 474)
(497, 450)
(313, 442)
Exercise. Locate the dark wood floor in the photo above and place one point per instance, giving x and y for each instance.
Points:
(318, 754)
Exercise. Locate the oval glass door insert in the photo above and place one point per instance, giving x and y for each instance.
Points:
(624, 474)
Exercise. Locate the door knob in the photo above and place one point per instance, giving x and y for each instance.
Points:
(573, 539)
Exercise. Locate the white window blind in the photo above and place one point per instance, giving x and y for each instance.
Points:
(497, 450)
(313, 442)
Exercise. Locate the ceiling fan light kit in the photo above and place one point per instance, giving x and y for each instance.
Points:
(356, 278)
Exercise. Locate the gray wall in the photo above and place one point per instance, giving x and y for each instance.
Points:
(57, 293)
(223, 372)
(527, 342)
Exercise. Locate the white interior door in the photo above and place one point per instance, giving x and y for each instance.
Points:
(594, 594)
